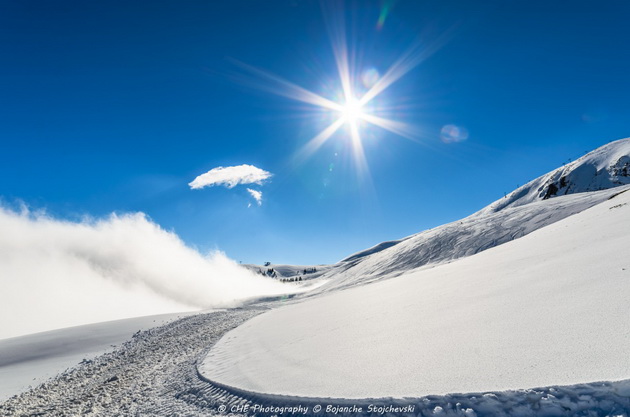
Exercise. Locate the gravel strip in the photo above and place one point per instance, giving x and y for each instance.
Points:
(153, 374)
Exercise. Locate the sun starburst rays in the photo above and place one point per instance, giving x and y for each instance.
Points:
(316, 142)
(352, 107)
(349, 109)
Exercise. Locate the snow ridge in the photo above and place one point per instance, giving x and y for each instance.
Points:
(563, 192)
(606, 167)
(471, 235)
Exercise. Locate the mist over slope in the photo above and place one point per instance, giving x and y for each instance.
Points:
(543, 201)
(57, 273)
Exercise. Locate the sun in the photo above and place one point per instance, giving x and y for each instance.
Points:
(352, 110)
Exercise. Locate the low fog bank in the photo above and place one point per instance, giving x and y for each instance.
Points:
(56, 273)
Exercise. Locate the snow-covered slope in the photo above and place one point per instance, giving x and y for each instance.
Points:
(549, 308)
(459, 239)
(606, 167)
(543, 201)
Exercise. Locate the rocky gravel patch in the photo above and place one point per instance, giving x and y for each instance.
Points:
(153, 374)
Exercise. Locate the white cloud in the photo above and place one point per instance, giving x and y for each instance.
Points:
(257, 195)
(56, 273)
(231, 177)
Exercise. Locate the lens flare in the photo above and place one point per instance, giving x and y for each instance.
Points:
(369, 77)
(385, 9)
(453, 134)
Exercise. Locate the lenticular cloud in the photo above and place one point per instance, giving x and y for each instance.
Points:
(57, 273)
(231, 177)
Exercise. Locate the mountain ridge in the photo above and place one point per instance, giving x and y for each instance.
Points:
(605, 167)
(560, 193)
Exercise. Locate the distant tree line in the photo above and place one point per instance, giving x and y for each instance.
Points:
(270, 272)
(292, 279)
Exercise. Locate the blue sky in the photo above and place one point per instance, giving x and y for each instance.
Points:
(117, 106)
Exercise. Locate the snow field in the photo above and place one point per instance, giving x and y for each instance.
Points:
(547, 309)
(154, 374)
